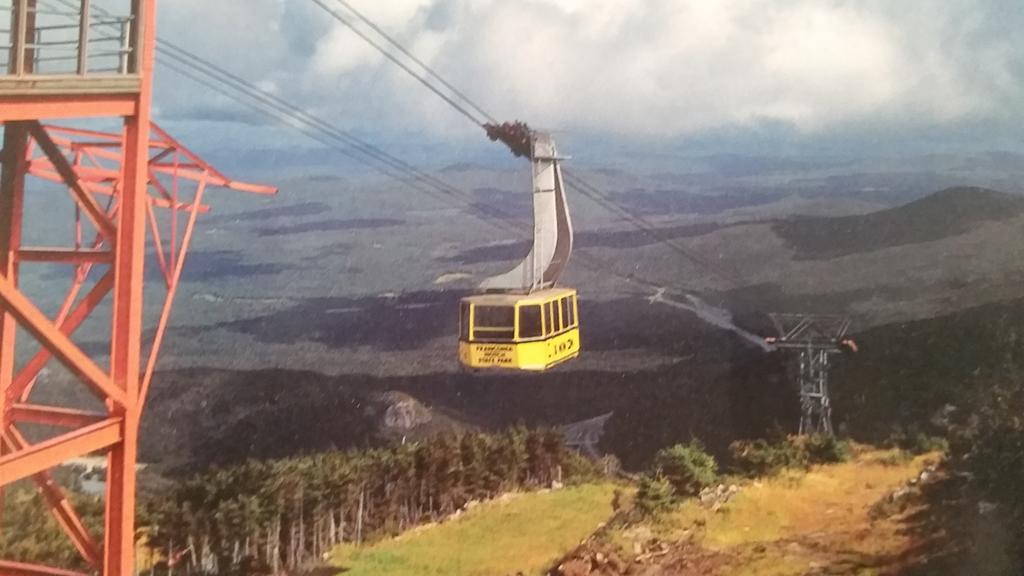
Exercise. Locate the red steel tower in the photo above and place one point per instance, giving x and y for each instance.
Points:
(132, 190)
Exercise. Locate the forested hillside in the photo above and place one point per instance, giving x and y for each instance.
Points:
(283, 515)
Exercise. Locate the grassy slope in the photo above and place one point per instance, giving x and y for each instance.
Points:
(519, 533)
(796, 522)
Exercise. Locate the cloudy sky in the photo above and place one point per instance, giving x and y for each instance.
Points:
(655, 70)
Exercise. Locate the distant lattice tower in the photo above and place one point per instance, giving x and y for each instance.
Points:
(815, 338)
(61, 61)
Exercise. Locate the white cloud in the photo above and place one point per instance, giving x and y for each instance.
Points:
(663, 67)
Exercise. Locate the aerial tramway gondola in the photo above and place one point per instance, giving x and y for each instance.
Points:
(522, 319)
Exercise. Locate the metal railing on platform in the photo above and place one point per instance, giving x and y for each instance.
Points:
(53, 38)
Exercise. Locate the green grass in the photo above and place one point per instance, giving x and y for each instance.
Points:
(522, 533)
(782, 525)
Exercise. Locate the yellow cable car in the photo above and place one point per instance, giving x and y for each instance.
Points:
(519, 332)
(522, 321)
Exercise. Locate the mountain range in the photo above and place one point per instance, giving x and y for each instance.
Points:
(285, 372)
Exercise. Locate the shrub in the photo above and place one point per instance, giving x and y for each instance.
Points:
(687, 467)
(578, 469)
(916, 442)
(825, 449)
(763, 458)
(932, 444)
(655, 495)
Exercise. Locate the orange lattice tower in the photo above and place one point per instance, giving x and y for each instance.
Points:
(69, 64)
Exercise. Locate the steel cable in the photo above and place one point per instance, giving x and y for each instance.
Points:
(419, 62)
(408, 69)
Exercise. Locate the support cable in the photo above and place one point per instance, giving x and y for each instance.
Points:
(595, 195)
(295, 114)
(419, 62)
(269, 111)
(314, 128)
(398, 62)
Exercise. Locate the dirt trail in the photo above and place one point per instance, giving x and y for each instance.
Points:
(848, 518)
